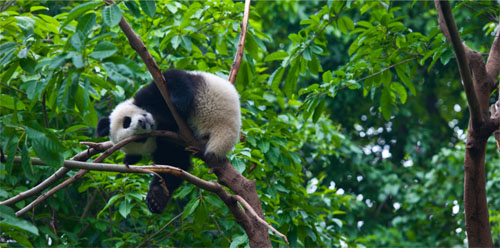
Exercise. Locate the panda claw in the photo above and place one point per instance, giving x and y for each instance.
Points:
(193, 149)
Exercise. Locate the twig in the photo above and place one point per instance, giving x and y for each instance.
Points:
(387, 68)
(241, 44)
(160, 230)
(12, 88)
(44, 110)
(254, 214)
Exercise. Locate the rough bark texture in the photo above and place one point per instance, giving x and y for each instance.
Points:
(478, 86)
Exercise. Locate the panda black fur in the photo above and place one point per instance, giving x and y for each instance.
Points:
(209, 104)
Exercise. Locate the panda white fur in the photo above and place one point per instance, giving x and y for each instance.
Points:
(128, 120)
(209, 105)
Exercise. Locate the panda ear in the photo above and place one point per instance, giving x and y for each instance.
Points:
(103, 127)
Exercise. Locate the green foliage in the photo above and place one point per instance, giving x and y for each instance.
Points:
(353, 116)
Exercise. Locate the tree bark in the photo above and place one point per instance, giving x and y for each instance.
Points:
(478, 86)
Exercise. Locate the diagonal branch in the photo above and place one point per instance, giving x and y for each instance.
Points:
(137, 44)
(82, 156)
(493, 63)
(81, 173)
(200, 183)
(241, 44)
(449, 29)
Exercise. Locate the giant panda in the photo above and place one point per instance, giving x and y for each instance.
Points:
(209, 105)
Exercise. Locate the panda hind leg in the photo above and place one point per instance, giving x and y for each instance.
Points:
(157, 198)
(131, 159)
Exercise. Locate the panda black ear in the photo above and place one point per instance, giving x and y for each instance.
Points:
(103, 127)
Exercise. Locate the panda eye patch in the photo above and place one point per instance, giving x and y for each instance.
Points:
(126, 122)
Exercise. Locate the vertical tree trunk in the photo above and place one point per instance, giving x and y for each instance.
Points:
(475, 204)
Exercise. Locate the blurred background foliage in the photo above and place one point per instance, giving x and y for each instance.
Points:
(353, 112)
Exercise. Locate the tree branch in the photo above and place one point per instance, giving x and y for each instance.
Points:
(137, 44)
(252, 212)
(449, 29)
(82, 156)
(200, 183)
(493, 63)
(241, 44)
(62, 171)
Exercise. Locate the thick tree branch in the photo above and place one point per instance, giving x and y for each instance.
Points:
(449, 29)
(241, 44)
(200, 183)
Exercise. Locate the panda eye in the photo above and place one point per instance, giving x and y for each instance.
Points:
(126, 122)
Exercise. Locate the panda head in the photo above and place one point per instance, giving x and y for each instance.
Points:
(127, 119)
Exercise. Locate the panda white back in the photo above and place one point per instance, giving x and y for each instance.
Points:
(216, 114)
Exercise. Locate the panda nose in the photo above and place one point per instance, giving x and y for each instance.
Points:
(142, 124)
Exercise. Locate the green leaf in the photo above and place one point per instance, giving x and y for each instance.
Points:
(149, 7)
(345, 24)
(23, 53)
(78, 61)
(9, 102)
(29, 172)
(401, 72)
(34, 88)
(134, 8)
(176, 40)
(125, 208)
(11, 153)
(9, 72)
(35, 8)
(7, 47)
(400, 90)
(111, 200)
(28, 65)
(77, 40)
(319, 110)
(86, 22)
(238, 241)
(190, 207)
(291, 79)
(310, 106)
(327, 77)
(111, 15)
(75, 128)
(80, 10)
(278, 55)
(104, 50)
(386, 104)
(51, 158)
(275, 79)
(9, 219)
